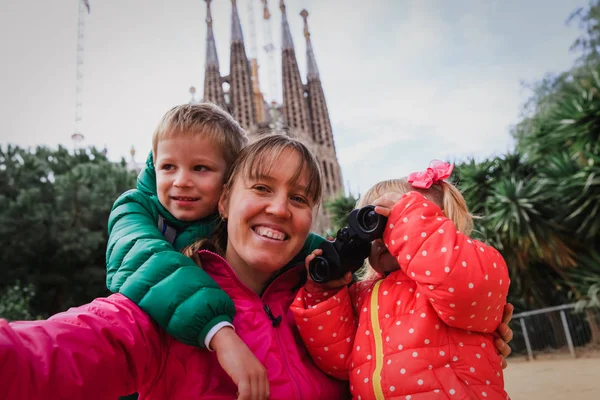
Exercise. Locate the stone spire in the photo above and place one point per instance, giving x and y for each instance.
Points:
(294, 104)
(236, 26)
(312, 70)
(286, 41)
(320, 123)
(240, 83)
(211, 47)
(213, 88)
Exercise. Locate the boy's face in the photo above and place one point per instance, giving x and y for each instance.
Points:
(189, 176)
(380, 258)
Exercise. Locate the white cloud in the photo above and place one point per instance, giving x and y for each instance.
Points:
(374, 139)
(405, 81)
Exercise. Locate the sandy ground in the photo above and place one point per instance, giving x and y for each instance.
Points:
(559, 379)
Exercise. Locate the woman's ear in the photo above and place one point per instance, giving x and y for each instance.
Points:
(223, 202)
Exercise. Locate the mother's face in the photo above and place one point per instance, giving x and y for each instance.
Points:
(268, 218)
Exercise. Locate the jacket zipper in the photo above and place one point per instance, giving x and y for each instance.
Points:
(265, 308)
(287, 366)
(376, 378)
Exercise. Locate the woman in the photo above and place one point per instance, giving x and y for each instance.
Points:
(110, 347)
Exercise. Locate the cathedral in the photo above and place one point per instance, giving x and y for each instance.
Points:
(304, 109)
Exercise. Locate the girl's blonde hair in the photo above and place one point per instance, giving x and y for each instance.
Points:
(255, 161)
(442, 193)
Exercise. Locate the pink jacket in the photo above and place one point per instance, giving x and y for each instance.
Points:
(110, 348)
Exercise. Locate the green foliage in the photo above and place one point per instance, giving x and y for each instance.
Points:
(54, 207)
(338, 209)
(514, 210)
(591, 299)
(540, 205)
(578, 185)
(586, 279)
(570, 122)
(593, 296)
(541, 209)
(15, 302)
(588, 43)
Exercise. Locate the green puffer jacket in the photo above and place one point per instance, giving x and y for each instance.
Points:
(143, 266)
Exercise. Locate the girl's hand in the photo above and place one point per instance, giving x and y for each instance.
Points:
(384, 204)
(313, 287)
(505, 333)
(241, 365)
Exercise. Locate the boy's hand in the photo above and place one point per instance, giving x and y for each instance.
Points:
(384, 204)
(505, 333)
(313, 287)
(241, 365)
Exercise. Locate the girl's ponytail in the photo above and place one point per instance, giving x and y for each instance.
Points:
(455, 208)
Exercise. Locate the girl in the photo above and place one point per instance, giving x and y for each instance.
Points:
(110, 347)
(418, 326)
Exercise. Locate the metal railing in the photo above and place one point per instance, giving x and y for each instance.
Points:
(560, 329)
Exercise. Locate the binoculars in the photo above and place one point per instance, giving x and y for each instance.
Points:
(351, 246)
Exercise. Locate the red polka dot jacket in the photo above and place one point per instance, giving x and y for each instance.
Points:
(424, 331)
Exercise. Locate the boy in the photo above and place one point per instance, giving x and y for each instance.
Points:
(174, 204)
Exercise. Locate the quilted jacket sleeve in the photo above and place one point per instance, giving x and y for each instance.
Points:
(101, 350)
(327, 326)
(170, 287)
(465, 280)
(313, 241)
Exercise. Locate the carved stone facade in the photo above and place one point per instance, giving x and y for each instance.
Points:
(303, 112)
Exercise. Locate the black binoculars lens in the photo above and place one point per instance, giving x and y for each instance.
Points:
(319, 269)
(368, 220)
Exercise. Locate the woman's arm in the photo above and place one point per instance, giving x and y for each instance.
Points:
(101, 350)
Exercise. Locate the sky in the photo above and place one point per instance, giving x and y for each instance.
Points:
(406, 81)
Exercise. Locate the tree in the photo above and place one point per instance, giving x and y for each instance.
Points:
(15, 302)
(513, 210)
(588, 43)
(338, 209)
(558, 137)
(54, 209)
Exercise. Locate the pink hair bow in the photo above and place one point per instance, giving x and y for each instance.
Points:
(436, 172)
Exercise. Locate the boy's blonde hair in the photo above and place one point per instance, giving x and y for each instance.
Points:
(206, 119)
(442, 193)
(255, 161)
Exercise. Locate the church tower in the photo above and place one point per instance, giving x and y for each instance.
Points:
(240, 83)
(213, 86)
(304, 109)
(295, 108)
(322, 133)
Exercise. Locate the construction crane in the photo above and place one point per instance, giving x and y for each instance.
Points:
(84, 8)
(259, 101)
(252, 25)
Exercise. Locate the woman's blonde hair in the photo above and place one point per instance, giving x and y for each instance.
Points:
(442, 193)
(254, 162)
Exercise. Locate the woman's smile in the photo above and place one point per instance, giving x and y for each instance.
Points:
(270, 232)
